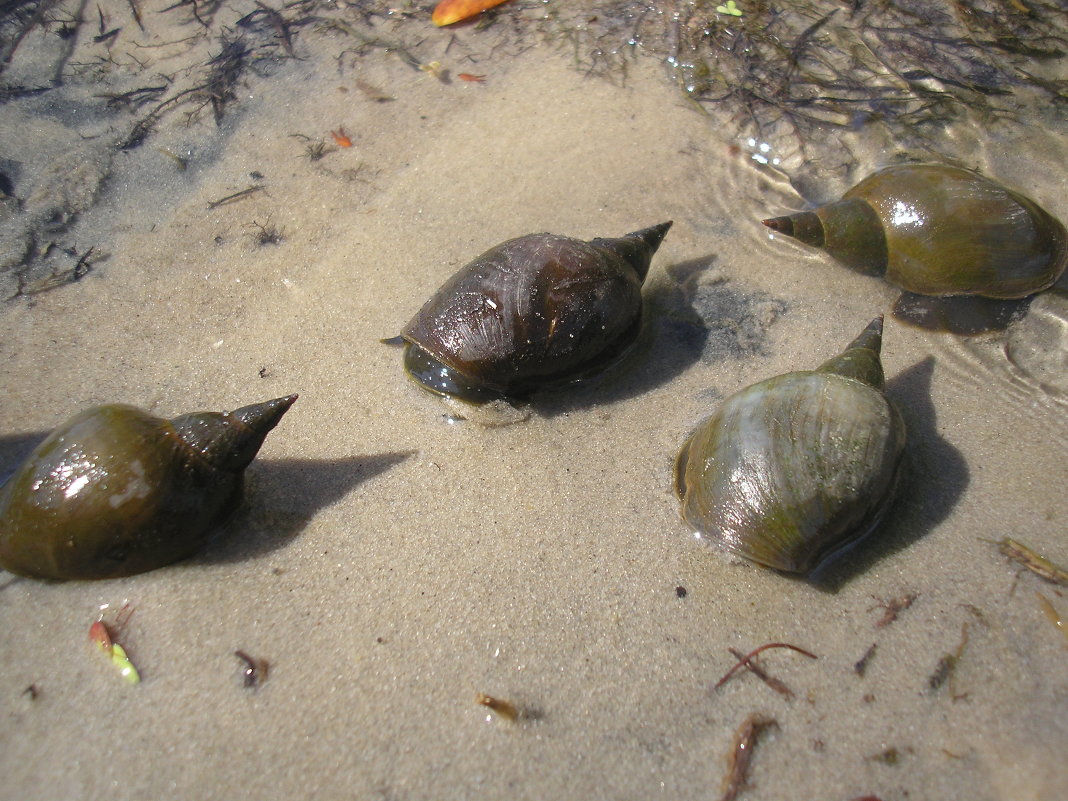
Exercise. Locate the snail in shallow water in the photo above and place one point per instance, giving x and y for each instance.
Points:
(116, 491)
(794, 468)
(538, 310)
(933, 229)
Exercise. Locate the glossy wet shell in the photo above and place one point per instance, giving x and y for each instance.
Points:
(792, 469)
(534, 311)
(951, 231)
(116, 491)
(938, 230)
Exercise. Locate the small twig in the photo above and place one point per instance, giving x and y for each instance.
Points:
(234, 197)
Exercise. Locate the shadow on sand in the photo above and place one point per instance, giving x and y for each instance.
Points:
(935, 480)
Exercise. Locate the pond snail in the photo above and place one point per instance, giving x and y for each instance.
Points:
(938, 230)
(794, 468)
(531, 312)
(116, 491)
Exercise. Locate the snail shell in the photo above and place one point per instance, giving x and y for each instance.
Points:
(537, 310)
(933, 229)
(116, 491)
(791, 469)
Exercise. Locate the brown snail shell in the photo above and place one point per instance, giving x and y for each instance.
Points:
(116, 491)
(794, 468)
(933, 229)
(533, 311)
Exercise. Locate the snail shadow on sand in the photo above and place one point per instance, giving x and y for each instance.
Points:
(690, 315)
(282, 496)
(934, 480)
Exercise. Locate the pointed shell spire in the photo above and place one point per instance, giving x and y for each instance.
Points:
(860, 360)
(231, 440)
(636, 248)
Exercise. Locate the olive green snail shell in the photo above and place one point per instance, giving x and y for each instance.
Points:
(938, 230)
(792, 469)
(116, 491)
(531, 312)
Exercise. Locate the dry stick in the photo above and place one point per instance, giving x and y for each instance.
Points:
(234, 197)
(744, 662)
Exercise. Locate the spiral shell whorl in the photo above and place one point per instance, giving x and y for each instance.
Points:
(938, 230)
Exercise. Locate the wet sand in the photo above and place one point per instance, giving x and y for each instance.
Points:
(392, 562)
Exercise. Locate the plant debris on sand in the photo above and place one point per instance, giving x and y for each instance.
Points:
(797, 80)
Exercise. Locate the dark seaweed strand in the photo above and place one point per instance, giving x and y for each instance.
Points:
(803, 67)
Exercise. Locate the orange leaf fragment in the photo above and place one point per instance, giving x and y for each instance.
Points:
(450, 11)
(340, 138)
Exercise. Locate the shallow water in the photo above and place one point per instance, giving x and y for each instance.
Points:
(392, 561)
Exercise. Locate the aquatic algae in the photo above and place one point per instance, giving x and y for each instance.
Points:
(449, 11)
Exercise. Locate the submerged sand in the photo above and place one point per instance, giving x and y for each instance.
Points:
(393, 561)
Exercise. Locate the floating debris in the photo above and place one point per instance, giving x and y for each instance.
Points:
(741, 753)
(1033, 561)
(505, 709)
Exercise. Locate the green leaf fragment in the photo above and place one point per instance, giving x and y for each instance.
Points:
(126, 668)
